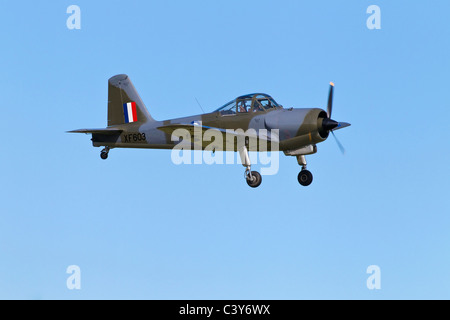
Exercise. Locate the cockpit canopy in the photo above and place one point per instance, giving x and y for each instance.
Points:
(256, 102)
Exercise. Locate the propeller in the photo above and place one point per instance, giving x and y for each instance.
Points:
(330, 101)
(331, 125)
(341, 147)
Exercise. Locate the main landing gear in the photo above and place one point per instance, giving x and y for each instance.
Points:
(104, 153)
(253, 178)
(305, 178)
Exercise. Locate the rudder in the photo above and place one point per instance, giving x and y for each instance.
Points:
(124, 103)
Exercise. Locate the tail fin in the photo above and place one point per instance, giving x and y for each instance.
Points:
(124, 103)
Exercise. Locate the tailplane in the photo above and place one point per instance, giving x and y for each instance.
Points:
(105, 132)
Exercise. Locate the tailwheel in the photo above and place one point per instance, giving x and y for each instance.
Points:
(104, 153)
(305, 178)
(254, 179)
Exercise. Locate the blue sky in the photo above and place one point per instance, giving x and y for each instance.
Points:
(140, 227)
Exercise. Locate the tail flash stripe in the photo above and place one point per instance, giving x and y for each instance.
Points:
(125, 112)
(129, 111)
(133, 107)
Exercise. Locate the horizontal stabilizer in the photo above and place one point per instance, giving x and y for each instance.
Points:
(108, 132)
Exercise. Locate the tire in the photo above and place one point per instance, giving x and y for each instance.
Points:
(305, 178)
(257, 179)
(104, 155)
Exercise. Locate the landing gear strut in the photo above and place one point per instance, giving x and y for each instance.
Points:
(104, 153)
(253, 178)
(305, 178)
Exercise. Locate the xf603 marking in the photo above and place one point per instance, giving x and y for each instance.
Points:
(134, 137)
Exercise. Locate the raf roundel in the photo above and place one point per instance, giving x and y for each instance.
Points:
(129, 111)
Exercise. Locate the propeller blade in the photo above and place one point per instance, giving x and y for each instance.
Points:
(341, 147)
(330, 101)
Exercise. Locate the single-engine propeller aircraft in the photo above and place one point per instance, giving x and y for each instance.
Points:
(130, 125)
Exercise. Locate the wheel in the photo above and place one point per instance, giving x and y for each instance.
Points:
(305, 178)
(104, 155)
(256, 181)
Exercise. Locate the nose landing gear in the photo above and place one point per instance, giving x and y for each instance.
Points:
(305, 177)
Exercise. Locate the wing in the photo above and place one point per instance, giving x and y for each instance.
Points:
(230, 137)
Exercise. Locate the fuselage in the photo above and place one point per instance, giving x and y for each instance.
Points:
(295, 128)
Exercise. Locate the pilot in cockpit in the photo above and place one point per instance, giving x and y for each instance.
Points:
(257, 107)
(242, 107)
